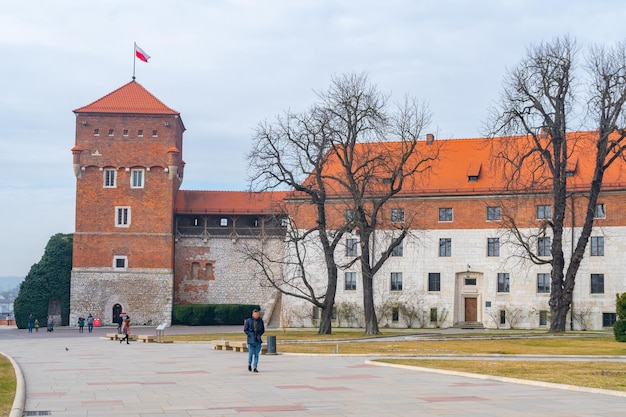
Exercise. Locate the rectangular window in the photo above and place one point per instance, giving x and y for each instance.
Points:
(350, 217)
(433, 315)
(155, 133)
(140, 133)
(597, 283)
(544, 212)
(208, 270)
(122, 216)
(96, 132)
(109, 178)
(503, 281)
(493, 246)
(493, 213)
(136, 178)
(502, 316)
(434, 281)
(445, 247)
(125, 133)
(350, 281)
(352, 247)
(284, 222)
(600, 212)
(445, 214)
(544, 246)
(316, 313)
(543, 317)
(195, 268)
(470, 281)
(398, 250)
(543, 283)
(397, 215)
(119, 262)
(608, 319)
(223, 222)
(597, 245)
(395, 314)
(396, 281)
(111, 132)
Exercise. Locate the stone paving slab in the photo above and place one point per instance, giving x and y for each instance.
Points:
(97, 377)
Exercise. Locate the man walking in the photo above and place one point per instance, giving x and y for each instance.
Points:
(253, 327)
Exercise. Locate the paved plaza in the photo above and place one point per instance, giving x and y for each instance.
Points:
(69, 374)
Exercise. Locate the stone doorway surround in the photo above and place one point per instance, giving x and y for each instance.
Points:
(468, 293)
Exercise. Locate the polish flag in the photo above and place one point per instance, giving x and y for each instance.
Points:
(139, 53)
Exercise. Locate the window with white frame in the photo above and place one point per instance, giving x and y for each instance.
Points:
(493, 213)
(350, 281)
(396, 281)
(223, 222)
(109, 178)
(503, 281)
(445, 247)
(136, 178)
(597, 245)
(122, 216)
(397, 215)
(120, 262)
(445, 214)
(600, 211)
(352, 247)
(493, 246)
(398, 250)
(544, 212)
(544, 245)
(543, 283)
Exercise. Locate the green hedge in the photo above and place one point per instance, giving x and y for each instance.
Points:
(212, 314)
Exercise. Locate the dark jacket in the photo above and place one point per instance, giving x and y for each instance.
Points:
(254, 337)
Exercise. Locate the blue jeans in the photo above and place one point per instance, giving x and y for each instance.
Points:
(30, 327)
(253, 353)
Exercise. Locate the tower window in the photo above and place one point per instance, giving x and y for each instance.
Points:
(120, 262)
(96, 132)
(122, 216)
(111, 132)
(125, 133)
(155, 133)
(140, 133)
(136, 178)
(109, 178)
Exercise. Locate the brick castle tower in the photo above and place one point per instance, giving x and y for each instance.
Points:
(128, 166)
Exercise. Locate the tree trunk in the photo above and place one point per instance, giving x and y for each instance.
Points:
(369, 310)
(326, 317)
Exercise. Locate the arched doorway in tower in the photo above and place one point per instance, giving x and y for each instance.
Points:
(117, 310)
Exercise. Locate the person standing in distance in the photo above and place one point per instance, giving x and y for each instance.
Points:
(253, 328)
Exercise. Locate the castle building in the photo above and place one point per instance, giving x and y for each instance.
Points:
(143, 245)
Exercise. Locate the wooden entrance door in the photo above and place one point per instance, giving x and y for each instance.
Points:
(471, 309)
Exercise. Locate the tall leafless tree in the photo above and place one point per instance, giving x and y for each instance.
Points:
(349, 152)
(542, 98)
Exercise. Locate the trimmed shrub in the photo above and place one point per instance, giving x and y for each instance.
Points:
(211, 314)
(619, 328)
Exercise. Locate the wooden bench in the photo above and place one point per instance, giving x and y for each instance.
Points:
(236, 346)
(146, 338)
(118, 336)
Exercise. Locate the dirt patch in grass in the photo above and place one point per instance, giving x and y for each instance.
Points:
(535, 346)
(604, 375)
(7, 386)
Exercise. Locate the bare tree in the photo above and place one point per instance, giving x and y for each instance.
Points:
(538, 105)
(377, 154)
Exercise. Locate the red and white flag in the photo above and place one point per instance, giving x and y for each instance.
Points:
(139, 53)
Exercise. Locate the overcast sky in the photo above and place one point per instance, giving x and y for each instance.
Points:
(227, 65)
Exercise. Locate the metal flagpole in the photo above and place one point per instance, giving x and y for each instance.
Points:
(134, 58)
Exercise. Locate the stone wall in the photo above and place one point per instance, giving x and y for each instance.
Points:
(233, 279)
(145, 294)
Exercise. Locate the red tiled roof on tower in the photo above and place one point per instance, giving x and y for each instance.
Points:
(130, 98)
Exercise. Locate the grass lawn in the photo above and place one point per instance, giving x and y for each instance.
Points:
(536, 346)
(295, 335)
(605, 375)
(7, 386)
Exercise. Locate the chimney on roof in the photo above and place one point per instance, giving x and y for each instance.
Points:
(430, 138)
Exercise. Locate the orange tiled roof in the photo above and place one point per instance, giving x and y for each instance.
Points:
(460, 159)
(228, 202)
(129, 98)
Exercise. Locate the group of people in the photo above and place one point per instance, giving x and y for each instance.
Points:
(81, 323)
(33, 323)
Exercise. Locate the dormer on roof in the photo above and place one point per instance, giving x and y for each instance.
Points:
(473, 171)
